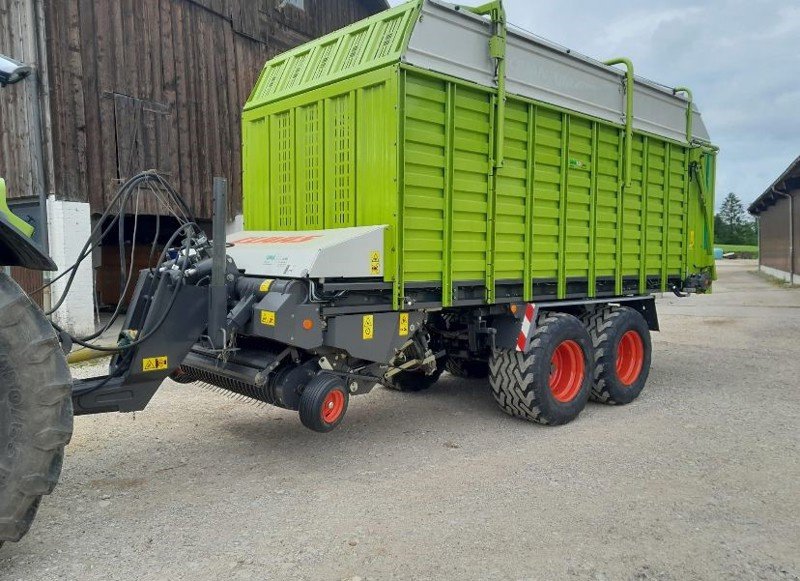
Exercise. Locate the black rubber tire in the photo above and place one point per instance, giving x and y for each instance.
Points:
(313, 398)
(606, 327)
(467, 368)
(520, 382)
(35, 409)
(413, 381)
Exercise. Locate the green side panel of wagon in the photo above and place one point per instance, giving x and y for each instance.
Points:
(563, 224)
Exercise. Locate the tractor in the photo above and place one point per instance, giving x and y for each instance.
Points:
(35, 381)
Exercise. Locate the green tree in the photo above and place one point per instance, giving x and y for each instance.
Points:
(732, 225)
(732, 211)
(750, 234)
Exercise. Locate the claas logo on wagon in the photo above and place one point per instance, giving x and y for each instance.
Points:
(278, 239)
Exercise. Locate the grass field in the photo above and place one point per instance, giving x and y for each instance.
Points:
(741, 249)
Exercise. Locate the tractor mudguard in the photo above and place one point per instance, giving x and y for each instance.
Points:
(18, 250)
(16, 247)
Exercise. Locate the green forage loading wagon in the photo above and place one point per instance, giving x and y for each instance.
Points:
(505, 167)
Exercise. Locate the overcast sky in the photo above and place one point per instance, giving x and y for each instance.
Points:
(741, 58)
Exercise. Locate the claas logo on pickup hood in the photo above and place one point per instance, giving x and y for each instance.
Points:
(277, 239)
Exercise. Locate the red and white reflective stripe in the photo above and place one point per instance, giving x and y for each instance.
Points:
(527, 322)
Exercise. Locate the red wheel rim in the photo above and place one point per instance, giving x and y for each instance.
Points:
(630, 358)
(567, 371)
(333, 406)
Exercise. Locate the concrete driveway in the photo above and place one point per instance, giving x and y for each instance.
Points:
(698, 479)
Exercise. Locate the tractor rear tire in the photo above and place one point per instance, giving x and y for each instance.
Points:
(467, 368)
(622, 352)
(550, 382)
(35, 409)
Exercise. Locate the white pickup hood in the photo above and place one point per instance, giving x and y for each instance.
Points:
(337, 253)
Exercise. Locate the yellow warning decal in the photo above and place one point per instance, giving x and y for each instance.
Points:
(268, 318)
(403, 329)
(691, 238)
(368, 327)
(374, 262)
(155, 363)
(265, 286)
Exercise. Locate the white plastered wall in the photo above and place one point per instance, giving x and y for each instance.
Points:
(780, 274)
(69, 226)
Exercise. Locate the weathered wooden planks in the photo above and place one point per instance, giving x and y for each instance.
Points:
(141, 84)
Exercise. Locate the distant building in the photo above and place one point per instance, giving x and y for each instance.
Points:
(119, 87)
(778, 212)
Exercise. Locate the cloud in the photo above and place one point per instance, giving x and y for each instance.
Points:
(740, 57)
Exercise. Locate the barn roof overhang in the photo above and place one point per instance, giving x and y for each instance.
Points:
(376, 5)
(786, 182)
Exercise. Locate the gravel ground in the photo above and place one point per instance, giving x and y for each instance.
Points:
(698, 479)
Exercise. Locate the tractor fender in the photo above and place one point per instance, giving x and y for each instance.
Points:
(16, 249)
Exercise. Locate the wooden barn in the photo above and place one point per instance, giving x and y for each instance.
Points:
(125, 85)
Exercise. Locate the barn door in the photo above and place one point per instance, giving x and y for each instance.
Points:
(143, 136)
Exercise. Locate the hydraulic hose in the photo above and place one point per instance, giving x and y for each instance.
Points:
(88, 354)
